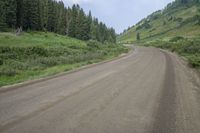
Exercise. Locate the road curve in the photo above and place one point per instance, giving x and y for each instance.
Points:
(148, 91)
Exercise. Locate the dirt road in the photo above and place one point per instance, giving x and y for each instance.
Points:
(148, 91)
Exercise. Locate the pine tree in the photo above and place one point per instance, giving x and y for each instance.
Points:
(31, 15)
(51, 16)
(68, 19)
(112, 35)
(89, 24)
(11, 6)
(44, 14)
(65, 20)
(73, 21)
(19, 13)
(138, 36)
(60, 18)
(101, 36)
(80, 24)
(39, 19)
(93, 31)
(2, 16)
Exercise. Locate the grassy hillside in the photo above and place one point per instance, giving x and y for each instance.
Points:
(39, 54)
(176, 28)
(181, 21)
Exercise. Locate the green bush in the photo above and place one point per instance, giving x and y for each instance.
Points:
(1, 61)
(176, 38)
(178, 19)
(22, 52)
(16, 65)
(46, 62)
(193, 19)
(191, 47)
(92, 44)
(15, 59)
(7, 71)
(194, 60)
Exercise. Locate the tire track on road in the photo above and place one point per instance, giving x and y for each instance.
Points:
(165, 115)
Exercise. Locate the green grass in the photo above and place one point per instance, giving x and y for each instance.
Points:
(31, 75)
(180, 21)
(37, 39)
(38, 54)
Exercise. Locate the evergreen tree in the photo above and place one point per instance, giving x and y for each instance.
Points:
(86, 28)
(83, 26)
(94, 30)
(51, 16)
(2, 16)
(19, 13)
(73, 21)
(65, 21)
(68, 19)
(31, 15)
(89, 24)
(101, 31)
(138, 36)
(10, 12)
(39, 18)
(112, 35)
(44, 14)
(61, 18)
(79, 33)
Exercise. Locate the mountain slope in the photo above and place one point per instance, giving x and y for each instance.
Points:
(181, 20)
(176, 28)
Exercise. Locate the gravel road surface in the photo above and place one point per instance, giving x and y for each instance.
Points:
(148, 91)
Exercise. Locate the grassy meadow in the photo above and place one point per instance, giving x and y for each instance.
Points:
(38, 54)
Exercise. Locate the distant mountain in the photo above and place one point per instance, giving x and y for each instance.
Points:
(179, 18)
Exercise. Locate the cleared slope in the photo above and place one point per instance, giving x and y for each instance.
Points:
(180, 21)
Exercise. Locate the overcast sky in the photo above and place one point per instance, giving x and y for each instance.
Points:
(120, 14)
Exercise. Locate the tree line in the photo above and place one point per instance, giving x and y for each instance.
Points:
(53, 16)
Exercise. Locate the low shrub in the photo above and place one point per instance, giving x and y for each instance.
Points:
(92, 44)
(194, 60)
(191, 48)
(7, 71)
(16, 65)
(18, 59)
(22, 52)
(1, 61)
(176, 38)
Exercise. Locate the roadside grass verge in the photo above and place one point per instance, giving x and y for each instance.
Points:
(187, 47)
(37, 54)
